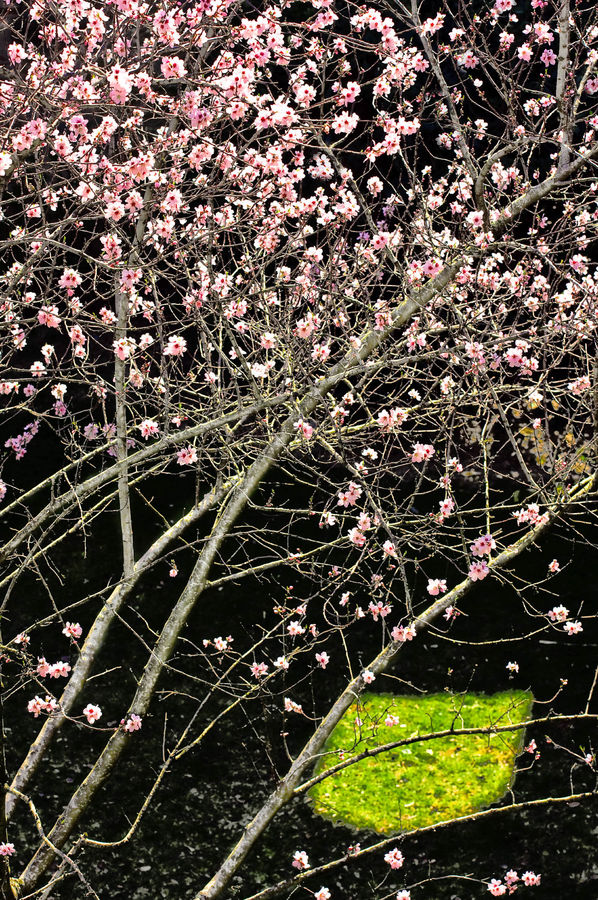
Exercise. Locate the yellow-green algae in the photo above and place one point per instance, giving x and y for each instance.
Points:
(426, 782)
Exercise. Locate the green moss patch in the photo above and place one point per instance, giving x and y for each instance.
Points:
(426, 782)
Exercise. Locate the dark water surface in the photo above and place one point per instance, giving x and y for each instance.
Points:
(200, 809)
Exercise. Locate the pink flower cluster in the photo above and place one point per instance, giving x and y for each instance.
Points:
(483, 546)
(357, 537)
(379, 609)
(92, 713)
(322, 894)
(304, 428)
(497, 888)
(258, 670)
(350, 496)
(56, 670)
(531, 515)
(186, 456)
(133, 723)
(436, 586)
(401, 633)
(300, 860)
(176, 346)
(149, 428)
(478, 570)
(387, 420)
(394, 858)
(422, 452)
(72, 630)
(37, 705)
(558, 614)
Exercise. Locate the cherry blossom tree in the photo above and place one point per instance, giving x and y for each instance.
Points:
(323, 273)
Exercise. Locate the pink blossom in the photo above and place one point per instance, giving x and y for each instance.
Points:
(304, 428)
(7, 849)
(579, 385)
(446, 507)
(291, 706)
(483, 546)
(322, 894)
(357, 537)
(403, 895)
(387, 420)
(300, 860)
(69, 279)
(478, 570)
(573, 628)
(451, 612)
(43, 667)
(524, 52)
(431, 26)
(16, 53)
(112, 246)
(268, 340)
(468, 59)
(73, 630)
(350, 496)
(323, 659)
(579, 263)
(37, 705)
(512, 668)
(345, 123)
(530, 879)
(5, 163)
(327, 519)
(401, 633)
(475, 219)
(436, 586)
(379, 609)
(92, 713)
(554, 566)
(422, 452)
(497, 888)
(187, 456)
(531, 515)
(394, 858)
(132, 724)
(258, 670)
(124, 347)
(149, 428)
(48, 316)
(173, 67)
(176, 346)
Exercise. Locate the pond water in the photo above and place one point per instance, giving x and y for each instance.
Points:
(212, 791)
